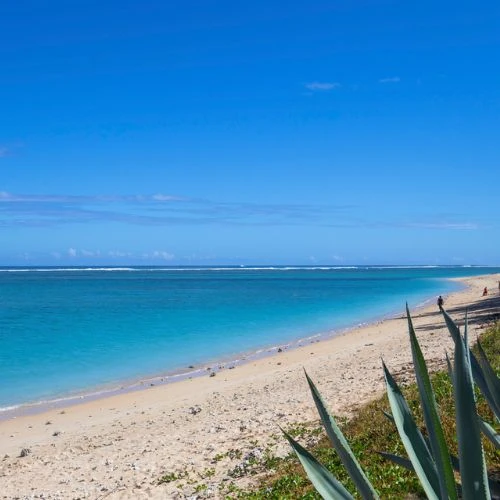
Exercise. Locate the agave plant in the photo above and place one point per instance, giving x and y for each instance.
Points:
(429, 457)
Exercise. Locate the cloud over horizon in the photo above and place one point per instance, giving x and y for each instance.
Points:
(73, 253)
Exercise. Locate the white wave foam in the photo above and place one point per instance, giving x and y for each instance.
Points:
(9, 408)
(162, 269)
(65, 269)
(220, 268)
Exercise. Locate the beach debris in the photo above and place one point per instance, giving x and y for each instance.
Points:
(194, 410)
(251, 461)
(56, 433)
(212, 374)
(24, 452)
(217, 428)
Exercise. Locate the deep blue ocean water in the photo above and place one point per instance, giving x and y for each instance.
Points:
(68, 330)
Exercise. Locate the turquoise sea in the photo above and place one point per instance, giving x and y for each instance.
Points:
(65, 331)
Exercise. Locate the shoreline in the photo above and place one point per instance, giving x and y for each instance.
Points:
(215, 365)
(119, 446)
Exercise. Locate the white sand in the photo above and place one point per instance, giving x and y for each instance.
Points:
(119, 446)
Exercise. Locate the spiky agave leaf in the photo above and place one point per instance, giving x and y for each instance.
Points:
(493, 483)
(470, 450)
(388, 416)
(412, 438)
(490, 433)
(450, 368)
(342, 447)
(491, 379)
(324, 481)
(439, 448)
(403, 462)
(477, 372)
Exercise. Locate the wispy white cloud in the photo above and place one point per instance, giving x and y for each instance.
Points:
(162, 210)
(344, 222)
(25, 210)
(138, 198)
(118, 254)
(392, 79)
(76, 254)
(90, 253)
(161, 254)
(9, 149)
(468, 226)
(165, 197)
(322, 86)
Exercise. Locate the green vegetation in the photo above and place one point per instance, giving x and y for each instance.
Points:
(172, 476)
(370, 432)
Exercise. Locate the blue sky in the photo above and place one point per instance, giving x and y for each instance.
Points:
(212, 132)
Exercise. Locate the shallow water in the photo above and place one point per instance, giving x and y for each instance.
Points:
(68, 330)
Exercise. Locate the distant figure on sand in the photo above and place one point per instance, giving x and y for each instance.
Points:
(440, 302)
(485, 291)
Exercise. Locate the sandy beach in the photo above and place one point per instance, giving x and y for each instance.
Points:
(120, 446)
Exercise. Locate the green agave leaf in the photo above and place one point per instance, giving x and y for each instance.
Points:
(452, 327)
(455, 462)
(450, 368)
(491, 379)
(470, 450)
(439, 448)
(403, 462)
(493, 484)
(469, 354)
(494, 488)
(490, 433)
(388, 416)
(342, 447)
(477, 372)
(412, 438)
(323, 480)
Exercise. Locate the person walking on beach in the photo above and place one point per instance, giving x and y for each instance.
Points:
(440, 302)
(485, 291)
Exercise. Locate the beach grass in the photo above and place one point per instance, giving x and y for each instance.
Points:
(370, 431)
